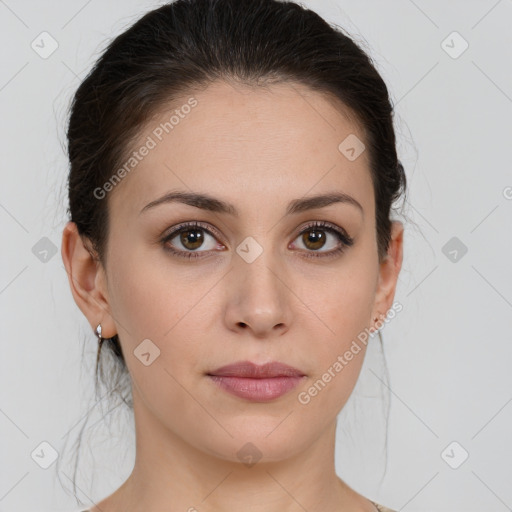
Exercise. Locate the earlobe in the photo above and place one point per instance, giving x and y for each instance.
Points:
(86, 280)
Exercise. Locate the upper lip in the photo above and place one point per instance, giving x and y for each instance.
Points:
(251, 370)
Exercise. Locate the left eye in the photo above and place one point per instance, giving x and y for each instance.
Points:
(314, 238)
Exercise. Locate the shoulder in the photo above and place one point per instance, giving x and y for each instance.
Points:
(380, 508)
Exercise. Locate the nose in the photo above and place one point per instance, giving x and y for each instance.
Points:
(258, 298)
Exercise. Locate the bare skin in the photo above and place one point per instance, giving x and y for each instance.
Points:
(257, 149)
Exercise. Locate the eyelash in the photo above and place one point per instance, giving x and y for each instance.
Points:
(345, 240)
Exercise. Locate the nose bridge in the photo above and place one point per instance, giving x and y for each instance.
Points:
(258, 296)
(256, 267)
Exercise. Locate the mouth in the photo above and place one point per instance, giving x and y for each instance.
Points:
(258, 383)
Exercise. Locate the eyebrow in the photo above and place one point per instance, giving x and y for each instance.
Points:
(206, 202)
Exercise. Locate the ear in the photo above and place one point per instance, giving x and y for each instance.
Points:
(87, 280)
(388, 273)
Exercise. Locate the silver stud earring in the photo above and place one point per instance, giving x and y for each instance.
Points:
(98, 333)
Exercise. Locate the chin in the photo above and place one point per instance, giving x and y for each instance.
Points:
(260, 441)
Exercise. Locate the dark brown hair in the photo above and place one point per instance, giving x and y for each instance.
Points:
(189, 44)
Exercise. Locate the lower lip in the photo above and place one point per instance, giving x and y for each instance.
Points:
(257, 390)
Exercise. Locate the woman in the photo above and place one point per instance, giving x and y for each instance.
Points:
(233, 168)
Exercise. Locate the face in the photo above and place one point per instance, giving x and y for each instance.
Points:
(258, 282)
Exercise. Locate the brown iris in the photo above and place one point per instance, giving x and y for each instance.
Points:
(313, 239)
(192, 239)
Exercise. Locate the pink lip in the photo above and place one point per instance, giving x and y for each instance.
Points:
(251, 370)
(257, 383)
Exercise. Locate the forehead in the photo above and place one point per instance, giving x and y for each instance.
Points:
(247, 144)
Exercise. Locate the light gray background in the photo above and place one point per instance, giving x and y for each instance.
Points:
(449, 351)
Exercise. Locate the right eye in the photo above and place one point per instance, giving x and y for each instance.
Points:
(191, 237)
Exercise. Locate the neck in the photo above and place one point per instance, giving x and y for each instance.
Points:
(171, 474)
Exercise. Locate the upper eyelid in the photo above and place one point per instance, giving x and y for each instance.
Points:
(326, 225)
(193, 224)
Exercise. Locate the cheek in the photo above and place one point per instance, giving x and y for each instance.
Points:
(157, 301)
(338, 355)
(146, 300)
(343, 306)
(151, 303)
(342, 317)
